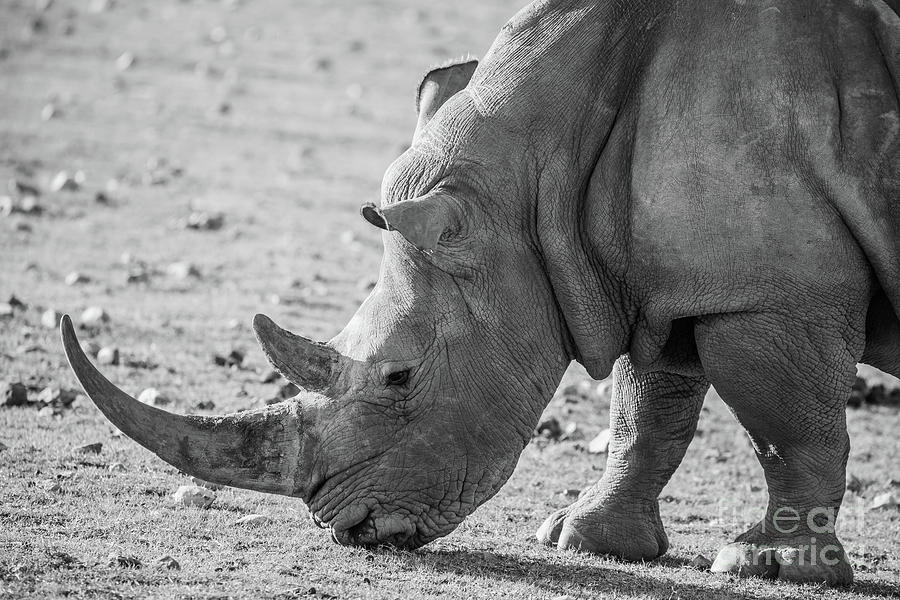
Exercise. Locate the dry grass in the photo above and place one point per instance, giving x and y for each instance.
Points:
(320, 101)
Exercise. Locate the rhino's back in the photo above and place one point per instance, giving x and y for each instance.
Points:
(766, 156)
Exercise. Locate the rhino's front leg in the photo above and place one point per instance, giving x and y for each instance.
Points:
(653, 417)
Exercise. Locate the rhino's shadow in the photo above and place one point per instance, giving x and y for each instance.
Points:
(559, 577)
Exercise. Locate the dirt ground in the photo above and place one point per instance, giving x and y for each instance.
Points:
(281, 116)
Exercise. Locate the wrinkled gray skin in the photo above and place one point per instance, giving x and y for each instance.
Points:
(682, 193)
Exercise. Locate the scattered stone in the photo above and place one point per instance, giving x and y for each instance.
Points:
(121, 560)
(253, 520)
(50, 319)
(55, 396)
(94, 448)
(167, 562)
(570, 432)
(99, 6)
(116, 467)
(201, 220)
(549, 428)
(235, 358)
(21, 188)
(205, 405)
(570, 493)
(288, 390)
(28, 205)
(701, 562)
(108, 355)
(182, 271)
(600, 443)
(94, 317)
(49, 111)
(125, 61)
(194, 495)
(13, 393)
(76, 277)
(154, 397)
(269, 376)
(206, 484)
(47, 412)
(64, 181)
(91, 348)
(884, 501)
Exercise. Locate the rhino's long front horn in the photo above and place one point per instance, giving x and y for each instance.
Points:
(256, 449)
(306, 363)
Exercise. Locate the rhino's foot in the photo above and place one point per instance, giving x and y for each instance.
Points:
(633, 534)
(801, 559)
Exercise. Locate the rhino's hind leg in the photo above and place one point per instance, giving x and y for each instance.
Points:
(787, 383)
(653, 417)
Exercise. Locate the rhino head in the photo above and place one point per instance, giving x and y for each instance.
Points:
(416, 412)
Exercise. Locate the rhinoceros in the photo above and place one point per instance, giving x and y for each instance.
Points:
(677, 193)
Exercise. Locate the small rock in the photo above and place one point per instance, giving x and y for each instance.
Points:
(253, 520)
(47, 412)
(49, 111)
(194, 495)
(884, 501)
(108, 355)
(288, 390)
(167, 562)
(94, 317)
(99, 6)
(201, 220)
(549, 428)
(21, 188)
(205, 405)
(116, 467)
(600, 443)
(121, 560)
(50, 319)
(94, 448)
(91, 348)
(64, 181)
(125, 61)
(55, 396)
(570, 432)
(701, 562)
(570, 493)
(182, 270)
(269, 376)
(15, 302)
(74, 278)
(154, 397)
(52, 486)
(13, 393)
(854, 483)
(6, 310)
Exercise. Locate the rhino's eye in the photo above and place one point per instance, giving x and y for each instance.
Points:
(397, 377)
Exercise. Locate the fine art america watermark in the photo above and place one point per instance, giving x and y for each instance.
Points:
(808, 535)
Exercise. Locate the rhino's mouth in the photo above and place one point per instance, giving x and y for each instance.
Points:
(374, 529)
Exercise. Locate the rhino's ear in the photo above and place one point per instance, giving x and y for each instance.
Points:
(438, 86)
(422, 221)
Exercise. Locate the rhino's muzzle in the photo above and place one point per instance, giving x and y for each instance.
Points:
(256, 449)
